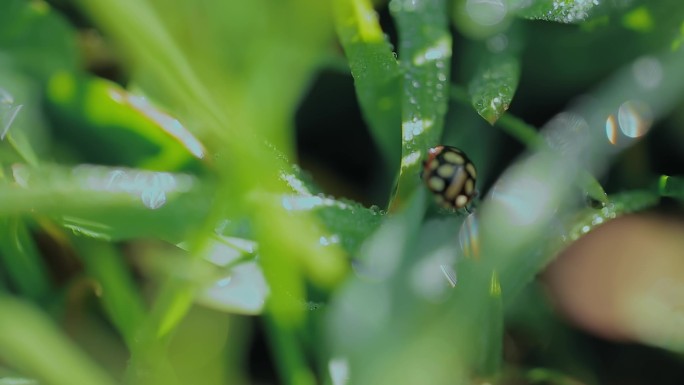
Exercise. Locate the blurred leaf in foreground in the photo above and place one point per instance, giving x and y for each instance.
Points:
(30, 341)
(108, 202)
(35, 39)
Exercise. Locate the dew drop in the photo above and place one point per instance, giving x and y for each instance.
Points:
(486, 12)
(153, 198)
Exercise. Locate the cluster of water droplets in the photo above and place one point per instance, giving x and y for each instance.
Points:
(152, 188)
(591, 220)
(570, 11)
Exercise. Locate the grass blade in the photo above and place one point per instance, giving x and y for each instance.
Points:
(30, 341)
(494, 84)
(376, 72)
(425, 55)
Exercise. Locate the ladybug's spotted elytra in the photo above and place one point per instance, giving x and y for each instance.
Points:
(450, 175)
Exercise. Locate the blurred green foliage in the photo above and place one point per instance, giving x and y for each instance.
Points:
(126, 208)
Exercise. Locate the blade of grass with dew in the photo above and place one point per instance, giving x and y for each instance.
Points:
(377, 76)
(348, 222)
(569, 230)
(496, 77)
(30, 341)
(560, 11)
(425, 56)
(118, 293)
(493, 86)
(22, 260)
(100, 201)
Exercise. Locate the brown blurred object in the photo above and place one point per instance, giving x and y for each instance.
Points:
(625, 281)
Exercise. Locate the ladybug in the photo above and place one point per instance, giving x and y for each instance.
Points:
(451, 176)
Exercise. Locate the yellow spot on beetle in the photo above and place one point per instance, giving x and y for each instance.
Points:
(469, 187)
(471, 170)
(446, 170)
(436, 184)
(453, 157)
(456, 185)
(461, 201)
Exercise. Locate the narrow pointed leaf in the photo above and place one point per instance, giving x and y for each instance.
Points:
(425, 57)
(376, 72)
(494, 84)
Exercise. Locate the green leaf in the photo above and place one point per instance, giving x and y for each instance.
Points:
(679, 39)
(376, 72)
(348, 223)
(10, 378)
(560, 11)
(425, 57)
(35, 39)
(671, 186)
(108, 203)
(30, 341)
(494, 84)
(265, 64)
(118, 292)
(21, 119)
(105, 124)
(22, 260)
